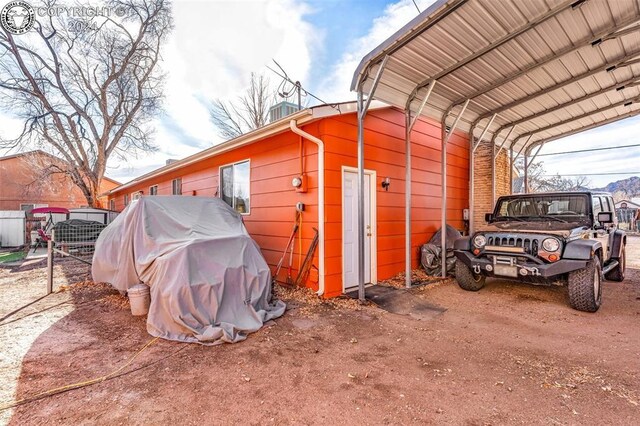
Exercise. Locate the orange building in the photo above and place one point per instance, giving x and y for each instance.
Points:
(22, 187)
(315, 149)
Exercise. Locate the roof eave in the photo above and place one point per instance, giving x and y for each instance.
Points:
(242, 140)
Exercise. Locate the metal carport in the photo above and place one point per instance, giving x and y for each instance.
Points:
(514, 73)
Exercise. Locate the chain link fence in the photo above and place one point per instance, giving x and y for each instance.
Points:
(75, 238)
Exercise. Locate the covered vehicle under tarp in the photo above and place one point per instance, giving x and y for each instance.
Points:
(430, 252)
(208, 280)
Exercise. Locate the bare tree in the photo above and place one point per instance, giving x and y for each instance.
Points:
(559, 183)
(249, 112)
(86, 87)
(539, 181)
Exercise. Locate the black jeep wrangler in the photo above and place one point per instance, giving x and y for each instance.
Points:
(543, 238)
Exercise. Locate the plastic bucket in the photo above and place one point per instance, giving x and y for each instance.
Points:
(139, 299)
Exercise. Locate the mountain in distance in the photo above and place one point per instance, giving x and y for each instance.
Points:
(627, 188)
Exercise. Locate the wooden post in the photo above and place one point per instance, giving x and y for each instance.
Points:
(49, 267)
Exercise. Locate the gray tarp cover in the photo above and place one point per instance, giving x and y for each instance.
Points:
(208, 280)
(430, 252)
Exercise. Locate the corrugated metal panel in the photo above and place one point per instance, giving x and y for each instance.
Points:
(554, 60)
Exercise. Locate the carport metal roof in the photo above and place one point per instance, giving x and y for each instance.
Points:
(548, 67)
(519, 73)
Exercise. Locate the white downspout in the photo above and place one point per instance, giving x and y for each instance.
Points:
(321, 219)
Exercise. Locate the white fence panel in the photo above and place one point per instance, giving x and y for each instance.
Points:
(12, 228)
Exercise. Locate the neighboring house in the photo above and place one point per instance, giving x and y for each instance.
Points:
(626, 211)
(256, 172)
(633, 203)
(22, 186)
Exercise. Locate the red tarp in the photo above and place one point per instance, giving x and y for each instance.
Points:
(49, 210)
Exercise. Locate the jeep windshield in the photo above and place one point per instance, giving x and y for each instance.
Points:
(543, 207)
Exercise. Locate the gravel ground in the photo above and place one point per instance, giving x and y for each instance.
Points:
(509, 354)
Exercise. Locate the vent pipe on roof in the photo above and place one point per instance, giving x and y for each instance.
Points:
(170, 161)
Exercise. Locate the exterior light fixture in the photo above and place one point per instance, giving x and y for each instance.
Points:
(385, 183)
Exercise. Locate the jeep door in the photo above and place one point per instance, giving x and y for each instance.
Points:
(601, 204)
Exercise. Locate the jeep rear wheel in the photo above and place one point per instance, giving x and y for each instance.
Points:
(585, 287)
(467, 280)
(617, 273)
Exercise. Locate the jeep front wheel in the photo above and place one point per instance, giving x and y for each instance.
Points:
(467, 280)
(617, 273)
(585, 287)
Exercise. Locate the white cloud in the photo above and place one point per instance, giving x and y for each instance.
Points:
(211, 53)
(10, 127)
(336, 87)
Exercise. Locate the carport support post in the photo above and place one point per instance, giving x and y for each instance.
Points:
(526, 172)
(361, 113)
(443, 222)
(493, 171)
(510, 171)
(363, 107)
(409, 123)
(407, 200)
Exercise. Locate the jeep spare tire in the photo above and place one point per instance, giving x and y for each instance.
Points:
(585, 287)
(467, 280)
(617, 273)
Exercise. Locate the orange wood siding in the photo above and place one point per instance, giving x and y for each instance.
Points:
(385, 153)
(275, 162)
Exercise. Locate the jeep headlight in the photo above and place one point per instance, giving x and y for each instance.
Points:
(479, 241)
(551, 245)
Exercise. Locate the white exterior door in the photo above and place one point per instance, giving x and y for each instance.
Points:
(350, 229)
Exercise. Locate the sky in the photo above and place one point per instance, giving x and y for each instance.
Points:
(216, 45)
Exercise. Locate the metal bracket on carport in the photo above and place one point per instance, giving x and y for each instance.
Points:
(363, 107)
(472, 151)
(445, 139)
(409, 123)
(514, 159)
(484, 132)
(494, 156)
(528, 162)
(503, 142)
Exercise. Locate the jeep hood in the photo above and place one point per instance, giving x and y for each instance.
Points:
(564, 230)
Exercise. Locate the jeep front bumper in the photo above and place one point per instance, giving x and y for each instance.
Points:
(505, 266)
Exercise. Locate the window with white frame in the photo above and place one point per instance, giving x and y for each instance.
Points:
(126, 200)
(153, 190)
(136, 195)
(176, 186)
(235, 187)
(112, 204)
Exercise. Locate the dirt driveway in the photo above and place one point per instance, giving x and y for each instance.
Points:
(505, 355)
